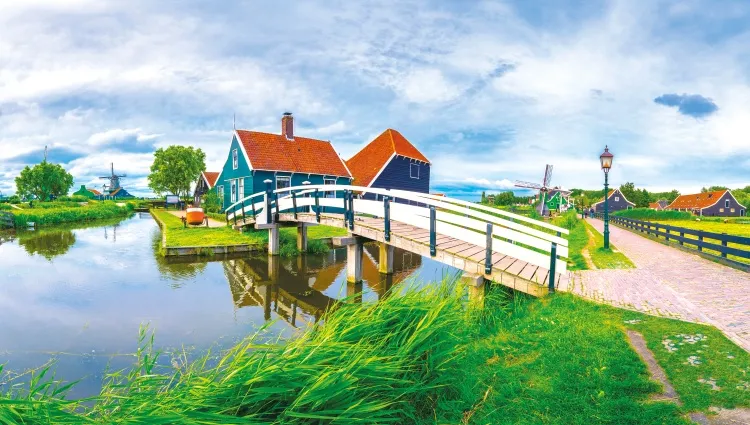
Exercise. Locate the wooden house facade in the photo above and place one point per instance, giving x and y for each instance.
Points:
(285, 159)
(390, 162)
(616, 202)
(206, 181)
(86, 192)
(720, 203)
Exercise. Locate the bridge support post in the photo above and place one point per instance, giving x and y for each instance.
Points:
(476, 286)
(302, 237)
(273, 240)
(354, 262)
(354, 290)
(385, 260)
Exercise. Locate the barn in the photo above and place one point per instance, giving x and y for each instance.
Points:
(617, 202)
(720, 203)
(390, 162)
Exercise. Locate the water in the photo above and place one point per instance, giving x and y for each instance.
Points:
(79, 296)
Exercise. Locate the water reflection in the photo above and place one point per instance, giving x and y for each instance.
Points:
(48, 244)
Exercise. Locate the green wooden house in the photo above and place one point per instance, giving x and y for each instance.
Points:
(88, 193)
(558, 200)
(285, 159)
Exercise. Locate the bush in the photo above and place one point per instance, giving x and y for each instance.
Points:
(5, 207)
(567, 220)
(73, 198)
(653, 215)
(48, 216)
(212, 202)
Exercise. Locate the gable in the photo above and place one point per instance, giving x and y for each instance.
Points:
(371, 160)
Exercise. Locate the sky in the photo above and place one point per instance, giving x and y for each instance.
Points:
(489, 91)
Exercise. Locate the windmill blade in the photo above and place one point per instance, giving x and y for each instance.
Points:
(547, 175)
(527, 185)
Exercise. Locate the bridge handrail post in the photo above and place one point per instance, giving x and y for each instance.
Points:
(269, 218)
(254, 213)
(346, 208)
(488, 251)
(294, 204)
(387, 218)
(234, 214)
(317, 206)
(552, 264)
(351, 210)
(433, 225)
(226, 215)
(243, 212)
(276, 202)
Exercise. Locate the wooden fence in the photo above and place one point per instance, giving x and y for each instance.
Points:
(6, 220)
(696, 240)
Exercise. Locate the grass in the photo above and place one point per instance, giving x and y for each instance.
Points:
(731, 227)
(419, 356)
(606, 258)
(53, 214)
(647, 214)
(578, 239)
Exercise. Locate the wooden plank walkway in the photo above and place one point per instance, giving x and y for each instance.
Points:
(470, 258)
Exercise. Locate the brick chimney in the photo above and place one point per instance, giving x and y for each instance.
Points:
(287, 126)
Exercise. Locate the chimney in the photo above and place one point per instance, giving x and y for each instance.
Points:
(287, 126)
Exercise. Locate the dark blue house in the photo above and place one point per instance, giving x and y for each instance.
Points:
(390, 162)
(616, 202)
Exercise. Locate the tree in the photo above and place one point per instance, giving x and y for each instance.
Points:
(175, 169)
(628, 191)
(484, 198)
(714, 189)
(43, 180)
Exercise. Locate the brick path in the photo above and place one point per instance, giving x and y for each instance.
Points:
(672, 283)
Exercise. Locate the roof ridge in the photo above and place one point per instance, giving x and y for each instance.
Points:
(393, 142)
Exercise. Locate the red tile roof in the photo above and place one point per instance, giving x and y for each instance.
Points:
(367, 163)
(210, 177)
(275, 152)
(654, 205)
(697, 200)
(94, 191)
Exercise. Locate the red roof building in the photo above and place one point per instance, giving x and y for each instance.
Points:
(718, 203)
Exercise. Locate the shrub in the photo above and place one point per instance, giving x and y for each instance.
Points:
(48, 216)
(650, 215)
(567, 220)
(73, 198)
(5, 207)
(212, 202)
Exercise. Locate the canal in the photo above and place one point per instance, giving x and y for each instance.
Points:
(77, 296)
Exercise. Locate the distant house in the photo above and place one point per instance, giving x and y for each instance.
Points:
(206, 181)
(390, 162)
(88, 193)
(720, 203)
(659, 205)
(286, 159)
(558, 200)
(118, 193)
(616, 202)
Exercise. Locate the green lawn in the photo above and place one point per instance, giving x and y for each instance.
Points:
(606, 258)
(732, 227)
(419, 356)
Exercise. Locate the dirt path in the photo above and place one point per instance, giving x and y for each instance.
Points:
(586, 251)
(672, 283)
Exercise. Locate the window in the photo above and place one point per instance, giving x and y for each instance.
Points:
(242, 188)
(220, 190)
(721, 209)
(726, 203)
(414, 171)
(233, 193)
(732, 210)
(235, 159)
(742, 213)
(330, 193)
(617, 199)
(283, 181)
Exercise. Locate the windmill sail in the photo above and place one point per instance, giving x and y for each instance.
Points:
(547, 175)
(528, 185)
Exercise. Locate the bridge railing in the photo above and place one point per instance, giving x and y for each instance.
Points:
(520, 237)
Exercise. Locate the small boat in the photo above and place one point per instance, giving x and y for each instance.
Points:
(195, 216)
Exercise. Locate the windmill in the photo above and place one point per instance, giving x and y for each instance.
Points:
(114, 180)
(543, 189)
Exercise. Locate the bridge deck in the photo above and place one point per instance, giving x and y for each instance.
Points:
(506, 270)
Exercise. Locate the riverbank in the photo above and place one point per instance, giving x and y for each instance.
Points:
(54, 213)
(419, 357)
(178, 240)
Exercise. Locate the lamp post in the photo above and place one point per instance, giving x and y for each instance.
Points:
(606, 161)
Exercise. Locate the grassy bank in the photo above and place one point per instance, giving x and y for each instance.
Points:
(647, 214)
(605, 258)
(179, 236)
(420, 357)
(53, 213)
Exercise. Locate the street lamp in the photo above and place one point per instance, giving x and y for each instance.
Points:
(606, 160)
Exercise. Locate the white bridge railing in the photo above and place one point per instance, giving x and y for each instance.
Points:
(520, 237)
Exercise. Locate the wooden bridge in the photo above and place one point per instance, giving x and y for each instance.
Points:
(488, 244)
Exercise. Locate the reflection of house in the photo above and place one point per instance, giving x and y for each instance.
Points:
(719, 203)
(206, 182)
(286, 159)
(659, 205)
(617, 202)
(390, 162)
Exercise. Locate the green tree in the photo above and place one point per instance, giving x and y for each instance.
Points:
(713, 189)
(175, 169)
(43, 180)
(628, 191)
(212, 202)
(484, 198)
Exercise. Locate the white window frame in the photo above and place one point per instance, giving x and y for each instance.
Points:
(726, 203)
(617, 199)
(241, 188)
(283, 178)
(721, 210)
(220, 191)
(413, 166)
(235, 159)
(329, 181)
(233, 191)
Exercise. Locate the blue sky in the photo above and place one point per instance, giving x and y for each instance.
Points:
(490, 91)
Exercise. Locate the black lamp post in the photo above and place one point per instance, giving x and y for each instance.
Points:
(606, 160)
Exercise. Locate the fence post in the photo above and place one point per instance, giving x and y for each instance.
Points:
(666, 230)
(268, 200)
(387, 218)
(252, 203)
(682, 236)
(433, 223)
(317, 206)
(700, 239)
(552, 266)
(724, 244)
(488, 252)
(294, 203)
(351, 210)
